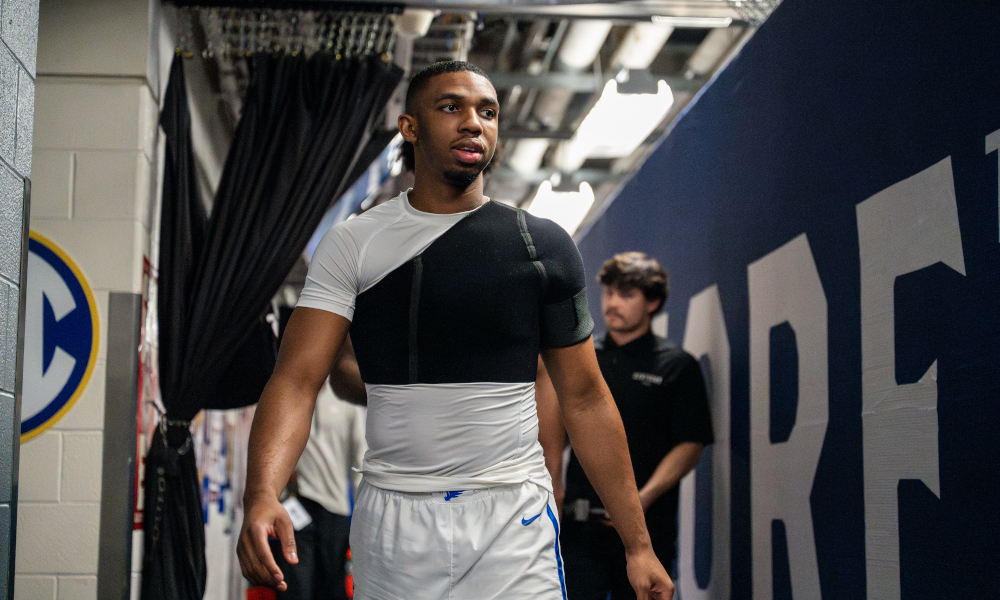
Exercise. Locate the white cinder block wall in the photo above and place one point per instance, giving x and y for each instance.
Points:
(94, 181)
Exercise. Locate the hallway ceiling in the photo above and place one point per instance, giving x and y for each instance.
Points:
(544, 100)
(550, 61)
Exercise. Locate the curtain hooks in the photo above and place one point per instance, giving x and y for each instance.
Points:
(372, 25)
(242, 32)
(384, 35)
(260, 44)
(241, 36)
(387, 55)
(331, 31)
(340, 37)
(352, 41)
(363, 37)
(298, 36)
(261, 32)
(379, 35)
(186, 33)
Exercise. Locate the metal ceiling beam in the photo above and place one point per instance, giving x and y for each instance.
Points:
(569, 180)
(580, 82)
(628, 10)
(520, 133)
(320, 5)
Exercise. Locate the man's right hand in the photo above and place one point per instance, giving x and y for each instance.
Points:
(648, 577)
(265, 518)
(280, 431)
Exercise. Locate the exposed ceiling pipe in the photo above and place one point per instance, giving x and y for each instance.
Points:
(413, 23)
(583, 42)
(641, 45)
(536, 68)
(410, 25)
(638, 49)
(710, 52)
(578, 51)
(527, 155)
(502, 61)
(580, 46)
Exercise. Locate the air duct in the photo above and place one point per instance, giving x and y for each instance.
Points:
(582, 44)
(409, 26)
(527, 155)
(579, 50)
(641, 46)
(710, 52)
(413, 22)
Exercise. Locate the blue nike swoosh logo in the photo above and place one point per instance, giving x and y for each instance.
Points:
(531, 520)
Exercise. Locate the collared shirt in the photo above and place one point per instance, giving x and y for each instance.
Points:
(661, 396)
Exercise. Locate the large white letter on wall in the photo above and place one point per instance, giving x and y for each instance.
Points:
(705, 335)
(784, 287)
(993, 145)
(906, 227)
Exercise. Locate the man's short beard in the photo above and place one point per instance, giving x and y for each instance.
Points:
(461, 179)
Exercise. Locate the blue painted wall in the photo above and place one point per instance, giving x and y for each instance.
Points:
(832, 104)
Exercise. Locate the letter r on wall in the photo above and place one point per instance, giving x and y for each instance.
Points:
(784, 286)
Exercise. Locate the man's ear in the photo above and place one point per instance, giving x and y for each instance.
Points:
(407, 127)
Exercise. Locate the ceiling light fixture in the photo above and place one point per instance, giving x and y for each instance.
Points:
(616, 125)
(567, 209)
(707, 22)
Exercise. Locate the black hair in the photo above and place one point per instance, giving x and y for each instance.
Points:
(636, 270)
(419, 82)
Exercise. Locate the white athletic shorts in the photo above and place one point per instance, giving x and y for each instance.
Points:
(498, 542)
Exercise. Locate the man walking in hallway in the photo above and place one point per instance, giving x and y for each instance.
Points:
(449, 298)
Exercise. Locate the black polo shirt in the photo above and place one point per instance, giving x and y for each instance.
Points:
(660, 394)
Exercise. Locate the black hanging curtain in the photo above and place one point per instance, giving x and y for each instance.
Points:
(306, 125)
(174, 536)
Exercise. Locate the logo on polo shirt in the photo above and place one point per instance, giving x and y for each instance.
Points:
(647, 378)
(60, 336)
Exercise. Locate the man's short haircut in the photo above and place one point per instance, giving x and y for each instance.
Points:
(420, 81)
(636, 270)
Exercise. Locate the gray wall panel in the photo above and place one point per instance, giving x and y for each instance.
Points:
(19, 30)
(6, 543)
(9, 350)
(6, 449)
(8, 103)
(16, 344)
(18, 51)
(25, 123)
(11, 212)
(114, 577)
(8, 335)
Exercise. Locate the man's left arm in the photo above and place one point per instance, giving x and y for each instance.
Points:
(691, 423)
(675, 465)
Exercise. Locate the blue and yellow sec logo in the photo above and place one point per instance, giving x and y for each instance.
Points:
(60, 336)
